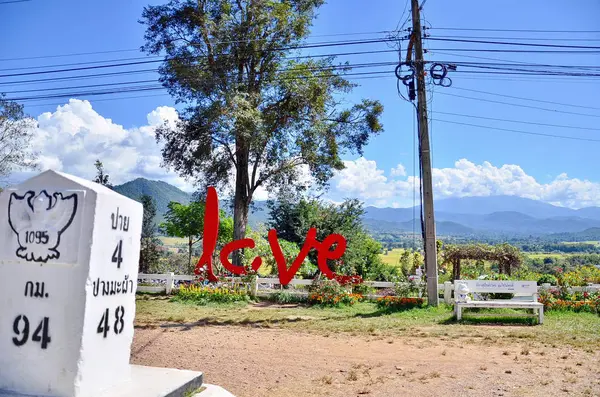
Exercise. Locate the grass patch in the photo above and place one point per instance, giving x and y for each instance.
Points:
(365, 318)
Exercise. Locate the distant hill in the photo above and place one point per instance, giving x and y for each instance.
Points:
(466, 216)
(162, 193)
(591, 234)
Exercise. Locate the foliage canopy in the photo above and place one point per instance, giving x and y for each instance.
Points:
(252, 110)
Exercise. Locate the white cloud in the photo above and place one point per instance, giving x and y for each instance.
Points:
(362, 179)
(71, 138)
(399, 170)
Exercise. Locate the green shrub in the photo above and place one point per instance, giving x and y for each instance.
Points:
(547, 279)
(284, 297)
(363, 289)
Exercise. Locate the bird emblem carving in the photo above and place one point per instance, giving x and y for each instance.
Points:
(39, 221)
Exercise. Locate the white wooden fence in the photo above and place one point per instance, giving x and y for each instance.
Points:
(264, 286)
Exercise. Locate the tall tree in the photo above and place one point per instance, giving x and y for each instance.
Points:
(101, 175)
(16, 131)
(252, 112)
(149, 253)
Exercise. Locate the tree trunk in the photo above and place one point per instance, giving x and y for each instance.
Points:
(190, 251)
(241, 202)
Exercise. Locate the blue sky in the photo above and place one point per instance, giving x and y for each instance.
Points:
(468, 160)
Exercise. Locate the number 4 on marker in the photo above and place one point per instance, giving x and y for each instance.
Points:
(116, 257)
(103, 327)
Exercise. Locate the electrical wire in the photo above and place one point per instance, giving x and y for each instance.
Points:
(519, 131)
(515, 43)
(579, 52)
(147, 88)
(520, 121)
(527, 99)
(517, 30)
(131, 59)
(332, 68)
(14, 1)
(522, 38)
(157, 61)
(502, 60)
(519, 105)
(99, 100)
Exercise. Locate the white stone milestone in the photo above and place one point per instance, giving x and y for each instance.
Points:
(69, 252)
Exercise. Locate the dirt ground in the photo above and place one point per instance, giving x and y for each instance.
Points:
(254, 362)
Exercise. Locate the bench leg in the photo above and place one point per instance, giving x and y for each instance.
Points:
(541, 315)
(458, 312)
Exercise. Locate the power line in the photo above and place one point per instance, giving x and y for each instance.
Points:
(519, 105)
(13, 1)
(149, 88)
(520, 131)
(324, 44)
(89, 76)
(101, 100)
(68, 55)
(521, 38)
(485, 58)
(166, 94)
(81, 86)
(519, 121)
(506, 70)
(593, 52)
(512, 66)
(515, 43)
(137, 58)
(527, 99)
(331, 68)
(518, 30)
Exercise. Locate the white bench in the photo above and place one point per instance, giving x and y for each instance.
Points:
(526, 296)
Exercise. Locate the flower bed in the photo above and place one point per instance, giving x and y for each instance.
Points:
(396, 302)
(203, 294)
(577, 302)
(326, 299)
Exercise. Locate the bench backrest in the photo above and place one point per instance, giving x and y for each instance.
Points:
(500, 286)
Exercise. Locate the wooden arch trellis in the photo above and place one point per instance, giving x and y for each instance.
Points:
(507, 256)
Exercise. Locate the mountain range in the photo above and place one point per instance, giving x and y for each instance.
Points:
(465, 216)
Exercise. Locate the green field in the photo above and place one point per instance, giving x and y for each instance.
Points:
(596, 243)
(392, 257)
(173, 241)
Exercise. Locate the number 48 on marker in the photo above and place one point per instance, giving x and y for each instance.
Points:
(104, 327)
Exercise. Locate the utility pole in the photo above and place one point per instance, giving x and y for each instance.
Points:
(425, 155)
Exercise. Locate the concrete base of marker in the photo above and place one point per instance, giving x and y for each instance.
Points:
(155, 382)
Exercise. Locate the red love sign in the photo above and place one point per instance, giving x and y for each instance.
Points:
(286, 274)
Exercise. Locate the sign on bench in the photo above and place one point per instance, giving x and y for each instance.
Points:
(527, 288)
(501, 286)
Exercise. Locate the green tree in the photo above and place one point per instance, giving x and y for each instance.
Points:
(101, 176)
(269, 265)
(149, 251)
(292, 221)
(185, 221)
(252, 110)
(16, 131)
